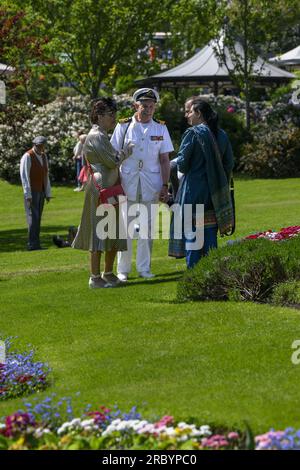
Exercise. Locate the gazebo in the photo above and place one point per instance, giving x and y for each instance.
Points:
(290, 59)
(204, 68)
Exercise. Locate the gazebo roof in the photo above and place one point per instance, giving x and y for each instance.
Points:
(6, 69)
(205, 67)
(291, 57)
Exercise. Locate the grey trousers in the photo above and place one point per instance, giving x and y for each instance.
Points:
(33, 217)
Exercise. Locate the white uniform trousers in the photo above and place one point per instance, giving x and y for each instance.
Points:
(148, 213)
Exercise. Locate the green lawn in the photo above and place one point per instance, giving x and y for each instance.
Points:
(220, 362)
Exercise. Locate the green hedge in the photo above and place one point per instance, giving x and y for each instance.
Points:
(287, 293)
(247, 270)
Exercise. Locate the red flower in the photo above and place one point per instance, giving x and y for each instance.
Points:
(24, 378)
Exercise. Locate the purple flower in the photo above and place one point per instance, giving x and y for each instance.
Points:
(21, 375)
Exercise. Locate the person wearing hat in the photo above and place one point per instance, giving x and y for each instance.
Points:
(36, 186)
(144, 176)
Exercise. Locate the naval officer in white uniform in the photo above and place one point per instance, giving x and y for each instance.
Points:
(145, 174)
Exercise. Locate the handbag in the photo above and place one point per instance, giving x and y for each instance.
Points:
(107, 195)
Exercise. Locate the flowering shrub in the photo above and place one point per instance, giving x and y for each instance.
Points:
(20, 375)
(59, 121)
(112, 429)
(274, 152)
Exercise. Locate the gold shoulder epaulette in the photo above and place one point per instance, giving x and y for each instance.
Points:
(123, 121)
(163, 123)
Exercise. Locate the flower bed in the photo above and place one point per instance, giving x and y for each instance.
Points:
(51, 425)
(283, 234)
(20, 375)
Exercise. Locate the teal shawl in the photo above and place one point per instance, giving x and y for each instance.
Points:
(217, 180)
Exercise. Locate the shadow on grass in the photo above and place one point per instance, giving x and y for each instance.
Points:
(16, 240)
(159, 279)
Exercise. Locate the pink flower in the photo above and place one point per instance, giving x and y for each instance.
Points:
(233, 435)
(230, 109)
(215, 442)
(164, 421)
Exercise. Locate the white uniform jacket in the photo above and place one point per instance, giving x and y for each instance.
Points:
(150, 140)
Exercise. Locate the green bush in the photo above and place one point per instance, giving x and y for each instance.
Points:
(65, 91)
(234, 125)
(124, 84)
(287, 293)
(279, 93)
(247, 270)
(274, 153)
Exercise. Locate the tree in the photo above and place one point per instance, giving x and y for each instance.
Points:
(255, 24)
(22, 45)
(192, 23)
(91, 39)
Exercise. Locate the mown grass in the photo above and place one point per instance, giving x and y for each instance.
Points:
(219, 362)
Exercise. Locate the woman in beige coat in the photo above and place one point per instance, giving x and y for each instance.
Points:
(104, 162)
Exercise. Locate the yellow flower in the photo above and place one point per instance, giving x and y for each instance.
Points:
(19, 444)
(66, 440)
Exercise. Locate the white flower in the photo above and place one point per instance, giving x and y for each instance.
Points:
(75, 422)
(87, 422)
(147, 428)
(62, 429)
(116, 421)
(205, 430)
(39, 432)
(170, 431)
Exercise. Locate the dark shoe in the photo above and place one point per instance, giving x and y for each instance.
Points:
(111, 279)
(98, 283)
(60, 242)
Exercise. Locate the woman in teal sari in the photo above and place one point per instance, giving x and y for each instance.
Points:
(206, 160)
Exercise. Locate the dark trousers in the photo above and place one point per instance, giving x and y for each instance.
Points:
(78, 170)
(174, 179)
(33, 216)
(210, 241)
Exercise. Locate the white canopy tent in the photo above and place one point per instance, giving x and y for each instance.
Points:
(289, 59)
(205, 68)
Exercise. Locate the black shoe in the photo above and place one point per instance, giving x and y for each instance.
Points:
(59, 242)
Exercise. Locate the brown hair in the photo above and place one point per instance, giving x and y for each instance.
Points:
(102, 106)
